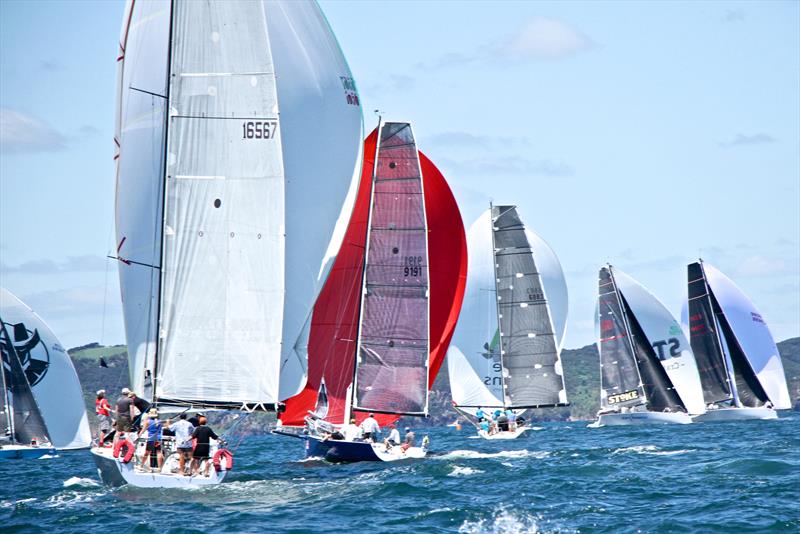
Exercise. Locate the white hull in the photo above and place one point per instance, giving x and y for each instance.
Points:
(510, 434)
(735, 414)
(114, 472)
(642, 418)
(396, 453)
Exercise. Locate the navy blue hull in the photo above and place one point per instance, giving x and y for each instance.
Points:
(340, 451)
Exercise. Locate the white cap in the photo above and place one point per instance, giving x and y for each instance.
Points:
(100, 391)
(125, 391)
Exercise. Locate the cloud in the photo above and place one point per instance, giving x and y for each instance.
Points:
(741, 140)
(87, 130)
(468, 140)
(733, 15)
(762, 266)
(509, 165)
(398, 83)
(86, 263)
(543, 39)
(74, 301)
(50, 65)
(540, 39)
(20, 133)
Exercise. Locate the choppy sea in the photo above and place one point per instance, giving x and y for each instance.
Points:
(561, 477)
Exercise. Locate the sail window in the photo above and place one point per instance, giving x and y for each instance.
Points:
(217, 203)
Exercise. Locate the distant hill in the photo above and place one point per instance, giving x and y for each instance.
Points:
(581, 371)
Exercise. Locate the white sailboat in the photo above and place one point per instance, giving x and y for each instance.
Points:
(740, 367)
(506, 348)
(648, 372)
(233, 118)
(40, 373)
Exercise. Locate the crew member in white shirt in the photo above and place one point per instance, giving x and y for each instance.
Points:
(352, 431)
(370, 427)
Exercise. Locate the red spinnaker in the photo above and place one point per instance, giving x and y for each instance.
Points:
(334, 324)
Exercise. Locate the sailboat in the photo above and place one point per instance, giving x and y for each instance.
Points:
(507, 345)
(42, 400)
(239, 147)
(740, 367)
(648, 373)
(383, 321)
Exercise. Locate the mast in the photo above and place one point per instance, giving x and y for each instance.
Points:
(628, 334)
(349, 408)
(163, 203)
(9, 403)
(726, 357)
(492, 221)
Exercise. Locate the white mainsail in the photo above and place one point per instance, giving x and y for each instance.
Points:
(667, 339)
(264, 122)
(49, 370)
(753, 336)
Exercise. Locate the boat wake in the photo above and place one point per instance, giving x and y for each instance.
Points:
(502, 454)
(504, 522)
(78, 481)
(459, 471)
(649, 449)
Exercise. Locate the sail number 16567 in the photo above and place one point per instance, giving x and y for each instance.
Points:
(259, 129)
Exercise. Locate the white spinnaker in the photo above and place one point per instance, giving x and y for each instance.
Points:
(467, 388)
(139, 141)
(57, 390)
(477, 323)
(667, 338)
(753, 335)
(322, 136)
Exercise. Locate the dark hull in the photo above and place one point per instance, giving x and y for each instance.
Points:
(340, 451)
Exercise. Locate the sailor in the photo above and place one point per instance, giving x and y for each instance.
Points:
(202, 451)
(484, 424)
(370, 427)
(141, 406)
(103, 410)
(497, 414)
(394, 437)
(352, 431)
(124, 414)
(768, 405)
(502, 422)
(153, 427)
(479, 414)
(410, 440)
(183, 441)
(511, 419)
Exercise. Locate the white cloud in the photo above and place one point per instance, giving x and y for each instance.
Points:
(543, 39)
(509, 165)
(762, 266)
(21, 133)
(756, 139)
(86, 263)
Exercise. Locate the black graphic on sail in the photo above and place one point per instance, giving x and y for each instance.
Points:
(321, 407)
(748, 388)
(658, 388)
(528, 351)
(32, 353)
(25, 423)
(618, 372)
(704, 339)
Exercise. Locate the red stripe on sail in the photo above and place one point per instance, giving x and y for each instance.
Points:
(334, 325)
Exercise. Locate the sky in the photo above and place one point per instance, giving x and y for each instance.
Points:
(644, 134)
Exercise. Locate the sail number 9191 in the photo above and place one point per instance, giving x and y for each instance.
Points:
(259, 129)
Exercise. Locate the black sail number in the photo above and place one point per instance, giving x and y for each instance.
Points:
(259, 129)
(413, 266)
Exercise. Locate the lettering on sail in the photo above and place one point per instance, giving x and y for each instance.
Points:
(350, 93)
(259, 129)
(623, 397)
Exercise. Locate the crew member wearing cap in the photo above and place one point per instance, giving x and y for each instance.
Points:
(411, 438)
(202, 451)
(124, 414)
(370, 428)
(394, 437)
(103, 410)
(154, 429)
(141, 406)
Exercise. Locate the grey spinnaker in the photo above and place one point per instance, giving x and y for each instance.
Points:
(528, 347)
(391, 372)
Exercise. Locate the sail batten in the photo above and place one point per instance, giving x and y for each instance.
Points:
(391, 368)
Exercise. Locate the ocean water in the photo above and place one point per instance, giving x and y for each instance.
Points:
(561, 477)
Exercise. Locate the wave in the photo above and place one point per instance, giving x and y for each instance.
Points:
(502, 454)
(78, 481)
(48, 456)
(651, 450)
(503, 522)
(459, 471)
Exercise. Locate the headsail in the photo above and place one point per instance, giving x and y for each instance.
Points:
(664, 335)
(393, 345)
(529, 354)
(468, 390)
(253, 137)
(50, 373)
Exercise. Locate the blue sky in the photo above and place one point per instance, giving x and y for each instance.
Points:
(639, 133)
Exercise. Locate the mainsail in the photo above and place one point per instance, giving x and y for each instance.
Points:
(234, 117)
(333, 335)
(753, 369)
(391, 372)
(533, 300)
(49, 372)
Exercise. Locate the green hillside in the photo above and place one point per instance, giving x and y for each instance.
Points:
(581, 371)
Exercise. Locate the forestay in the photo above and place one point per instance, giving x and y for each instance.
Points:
(529, 356)
(393, 345)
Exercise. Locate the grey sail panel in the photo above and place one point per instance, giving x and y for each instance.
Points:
(659, 390)
(393, 346)
(704, 339)
(29, 424)
(529, 352)
(619, 376)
